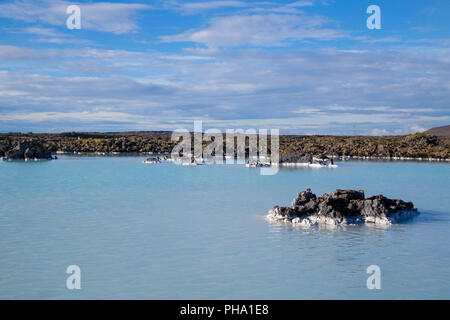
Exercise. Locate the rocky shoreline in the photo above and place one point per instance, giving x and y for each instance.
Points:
(293, 149)
(29, 150)
(342, 207)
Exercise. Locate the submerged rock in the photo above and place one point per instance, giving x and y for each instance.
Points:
(257, 164)
(29, 150)
(342, 207)
(152, 160)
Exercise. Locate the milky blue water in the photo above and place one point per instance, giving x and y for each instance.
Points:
(173, 232)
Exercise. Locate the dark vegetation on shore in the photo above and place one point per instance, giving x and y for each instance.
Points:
(419, 145)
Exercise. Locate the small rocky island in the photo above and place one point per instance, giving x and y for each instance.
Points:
(28, 150)
(342, 207)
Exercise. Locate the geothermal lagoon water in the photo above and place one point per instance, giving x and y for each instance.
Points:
(174, 232)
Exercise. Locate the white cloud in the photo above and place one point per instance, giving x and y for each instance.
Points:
(307, 110)
(258, 30)
(118, 18)
(83, 116)
(379, 132)
(49, 35)
(329, 90)
(13, 52)
(304, 3)
(194, 7)
(417, 129)
(260, 6)
(46, 32)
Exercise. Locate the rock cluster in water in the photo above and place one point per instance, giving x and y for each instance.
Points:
(29, 150)
(342, 207)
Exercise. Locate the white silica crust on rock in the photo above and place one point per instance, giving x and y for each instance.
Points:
(307, 164)
(316, 220)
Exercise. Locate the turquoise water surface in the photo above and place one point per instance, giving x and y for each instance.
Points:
(172, 232)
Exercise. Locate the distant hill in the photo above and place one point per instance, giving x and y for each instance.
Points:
(443, 131)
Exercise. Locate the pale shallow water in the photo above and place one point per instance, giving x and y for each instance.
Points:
(173, 232)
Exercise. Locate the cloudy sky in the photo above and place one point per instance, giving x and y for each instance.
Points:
(306, 67)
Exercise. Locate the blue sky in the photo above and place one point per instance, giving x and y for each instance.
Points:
(306, 67)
